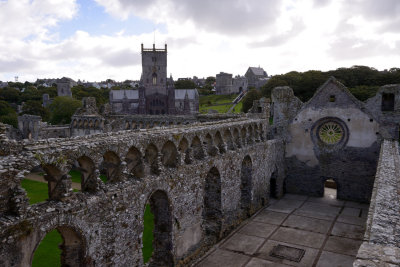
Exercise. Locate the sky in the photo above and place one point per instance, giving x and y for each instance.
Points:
(95, 40)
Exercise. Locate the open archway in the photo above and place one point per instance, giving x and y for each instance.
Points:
(134, 162)
(151, 158)
(198, 152)
(62, 246)
(212, 212)
(273, 186)
(169, 155)
(330, 188)
(184, 150)
(162, 234)
(88, 174)
(111, 165)
(219, 143)
(246, 186)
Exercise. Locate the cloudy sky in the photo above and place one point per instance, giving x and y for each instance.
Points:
(99, 39)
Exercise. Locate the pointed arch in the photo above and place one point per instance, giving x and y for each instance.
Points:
(208, 142)
(236, 138)
(87, 169)
(151, 158)
(246, 186)
(212, 212)
(228, 139)
(198, 152)
(184, 150)
(219, 142)
(169, 155)
(134, 162)
(111, 165)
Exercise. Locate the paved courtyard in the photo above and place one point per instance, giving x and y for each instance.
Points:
(295, 231)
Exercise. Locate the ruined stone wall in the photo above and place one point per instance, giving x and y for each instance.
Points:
(175, 170)
(332, 137)
(381, 245)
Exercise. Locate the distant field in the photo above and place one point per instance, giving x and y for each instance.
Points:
(36, 191)
(220, 103)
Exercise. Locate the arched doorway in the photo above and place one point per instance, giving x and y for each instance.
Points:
(162, 234)
(62, 246)
(212, 214)
(330, 189)
(246, 186)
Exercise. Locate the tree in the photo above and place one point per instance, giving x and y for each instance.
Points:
(10, 95)
(247, 101)
(275, 81)
(62, 108)
(33, 107)
(8, 114)
(185, 84)
(101, 95)
(210, 80)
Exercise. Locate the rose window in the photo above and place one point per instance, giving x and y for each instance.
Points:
(330, 133)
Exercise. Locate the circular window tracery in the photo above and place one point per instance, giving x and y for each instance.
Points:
(330, 133)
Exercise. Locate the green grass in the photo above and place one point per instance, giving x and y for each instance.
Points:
(221, 109)
(209, 100)
(148, 235)
(103, 178)
(75, 176)
(48, 254)
(37, 191)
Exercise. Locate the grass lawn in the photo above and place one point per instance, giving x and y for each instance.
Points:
(221, 109)
(148, 236)
(37, 191)
(216, 99)
(76, 176)
(48, 254)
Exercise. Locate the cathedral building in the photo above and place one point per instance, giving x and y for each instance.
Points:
(156, 94)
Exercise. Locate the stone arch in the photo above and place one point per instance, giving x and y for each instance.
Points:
(246, 184)
(96, 124)
(236, 138)
(243, 135)
(250, 135)
(151, 158)
(127, 126)
(90, 123)
(162, 243)
(219, 142)
(58, 182)
(169, 155)
(74, 123)
(184, 150)
(111, 164)
(80, 123)
(198, 152)
(256, 133)
(262, 132)
(134, 162)
(228, 139)
(212, 211)
(85, 123)
(273, 185)
(208, 142)
(73, 247)
(88, 174)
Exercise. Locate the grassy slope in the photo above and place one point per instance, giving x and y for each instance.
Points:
(76, 176)
(216, 102)
(48, 254)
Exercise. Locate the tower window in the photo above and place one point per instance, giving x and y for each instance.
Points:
(154, 79)
(332, 98)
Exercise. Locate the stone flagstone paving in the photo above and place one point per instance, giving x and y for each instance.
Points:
(330, 232)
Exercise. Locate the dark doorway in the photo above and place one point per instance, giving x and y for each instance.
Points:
(246, 186)
(273, 186)
(162, 243)
(330, 189)
(212, 214)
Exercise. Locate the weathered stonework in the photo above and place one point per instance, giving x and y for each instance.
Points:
(164, 167)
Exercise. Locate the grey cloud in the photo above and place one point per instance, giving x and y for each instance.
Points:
(237, 17)
(321, 3)
(351, 48)
(121, 58)
(275, 40)
(15, 65)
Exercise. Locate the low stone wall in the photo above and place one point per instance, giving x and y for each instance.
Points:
(381, 246)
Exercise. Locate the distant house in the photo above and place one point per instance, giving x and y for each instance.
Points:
(223, 83)
(256, 77)
(64, 86)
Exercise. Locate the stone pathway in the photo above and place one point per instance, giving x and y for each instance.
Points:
(39, 178)
(320, 232)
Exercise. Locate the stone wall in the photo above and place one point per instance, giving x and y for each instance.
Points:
(381, 245)
(185, 173)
